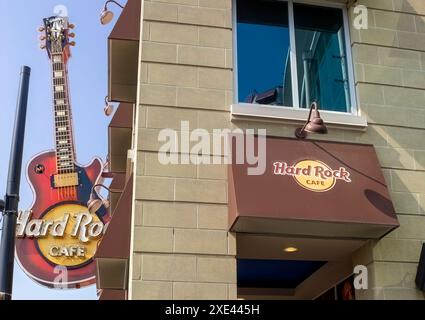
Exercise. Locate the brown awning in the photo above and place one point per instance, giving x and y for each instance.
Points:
(120, 131)
(123, 46)
(316, 188)
(118, 183)
(116, 241)
(108, 294)
(116, 188)
(112, 255)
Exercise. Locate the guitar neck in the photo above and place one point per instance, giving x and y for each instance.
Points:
(64, 139)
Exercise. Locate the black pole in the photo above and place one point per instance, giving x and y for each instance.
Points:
(7, 246)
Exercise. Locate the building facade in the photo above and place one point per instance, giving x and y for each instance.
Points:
(189, 230)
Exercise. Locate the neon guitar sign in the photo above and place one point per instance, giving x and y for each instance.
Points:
(59, 231)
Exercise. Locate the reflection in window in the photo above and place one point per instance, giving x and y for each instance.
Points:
(321, 57)
(263, 55)
(264, 74)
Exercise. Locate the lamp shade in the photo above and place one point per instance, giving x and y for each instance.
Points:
(316, 123)
(106, 16)
(93, 204)
(108, 109)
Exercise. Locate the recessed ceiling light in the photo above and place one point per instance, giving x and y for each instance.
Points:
(290, 249)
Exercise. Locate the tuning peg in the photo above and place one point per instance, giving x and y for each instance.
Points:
(71, 26)
(42, 37)
(41, 29)
(72, 43)
(71, 35)
(42, 46)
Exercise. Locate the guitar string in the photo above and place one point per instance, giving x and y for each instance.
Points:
(65, 119)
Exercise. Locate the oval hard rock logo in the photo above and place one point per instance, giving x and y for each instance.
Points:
(313, 175)
(64, 237)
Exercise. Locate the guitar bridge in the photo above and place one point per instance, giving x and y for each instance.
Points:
(65, 180)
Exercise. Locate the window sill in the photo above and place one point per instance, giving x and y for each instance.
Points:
(333, 119)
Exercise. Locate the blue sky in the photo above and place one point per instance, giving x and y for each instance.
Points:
(19, 20)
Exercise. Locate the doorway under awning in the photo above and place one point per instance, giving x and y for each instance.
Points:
(312, 188)
(299, 223)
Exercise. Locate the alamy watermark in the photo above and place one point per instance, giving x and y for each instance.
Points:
(199, 146)
(361, 278)
(61, 280)
(361, 17)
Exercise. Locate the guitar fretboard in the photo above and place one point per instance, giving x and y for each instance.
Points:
(65, 153)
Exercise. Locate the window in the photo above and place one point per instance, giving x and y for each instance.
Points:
(290, 54)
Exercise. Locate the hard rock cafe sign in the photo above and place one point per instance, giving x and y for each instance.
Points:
(58, 249)
(312, 175)
(58, 237)
(68, 235)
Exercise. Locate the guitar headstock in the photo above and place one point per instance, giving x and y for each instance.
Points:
(56, 34)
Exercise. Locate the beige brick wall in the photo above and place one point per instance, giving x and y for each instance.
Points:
(391, 92)
(182, 249)
(181, 216)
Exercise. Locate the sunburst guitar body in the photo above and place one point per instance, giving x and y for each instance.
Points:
(52, 203)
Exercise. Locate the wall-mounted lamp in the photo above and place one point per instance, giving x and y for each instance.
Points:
(109, 108)
(314, 124)
(96, 201)
(106, 15)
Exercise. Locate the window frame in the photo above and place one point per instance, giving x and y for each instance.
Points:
(350, 118)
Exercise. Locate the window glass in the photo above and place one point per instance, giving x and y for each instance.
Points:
(321, 57)
(264, 68)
